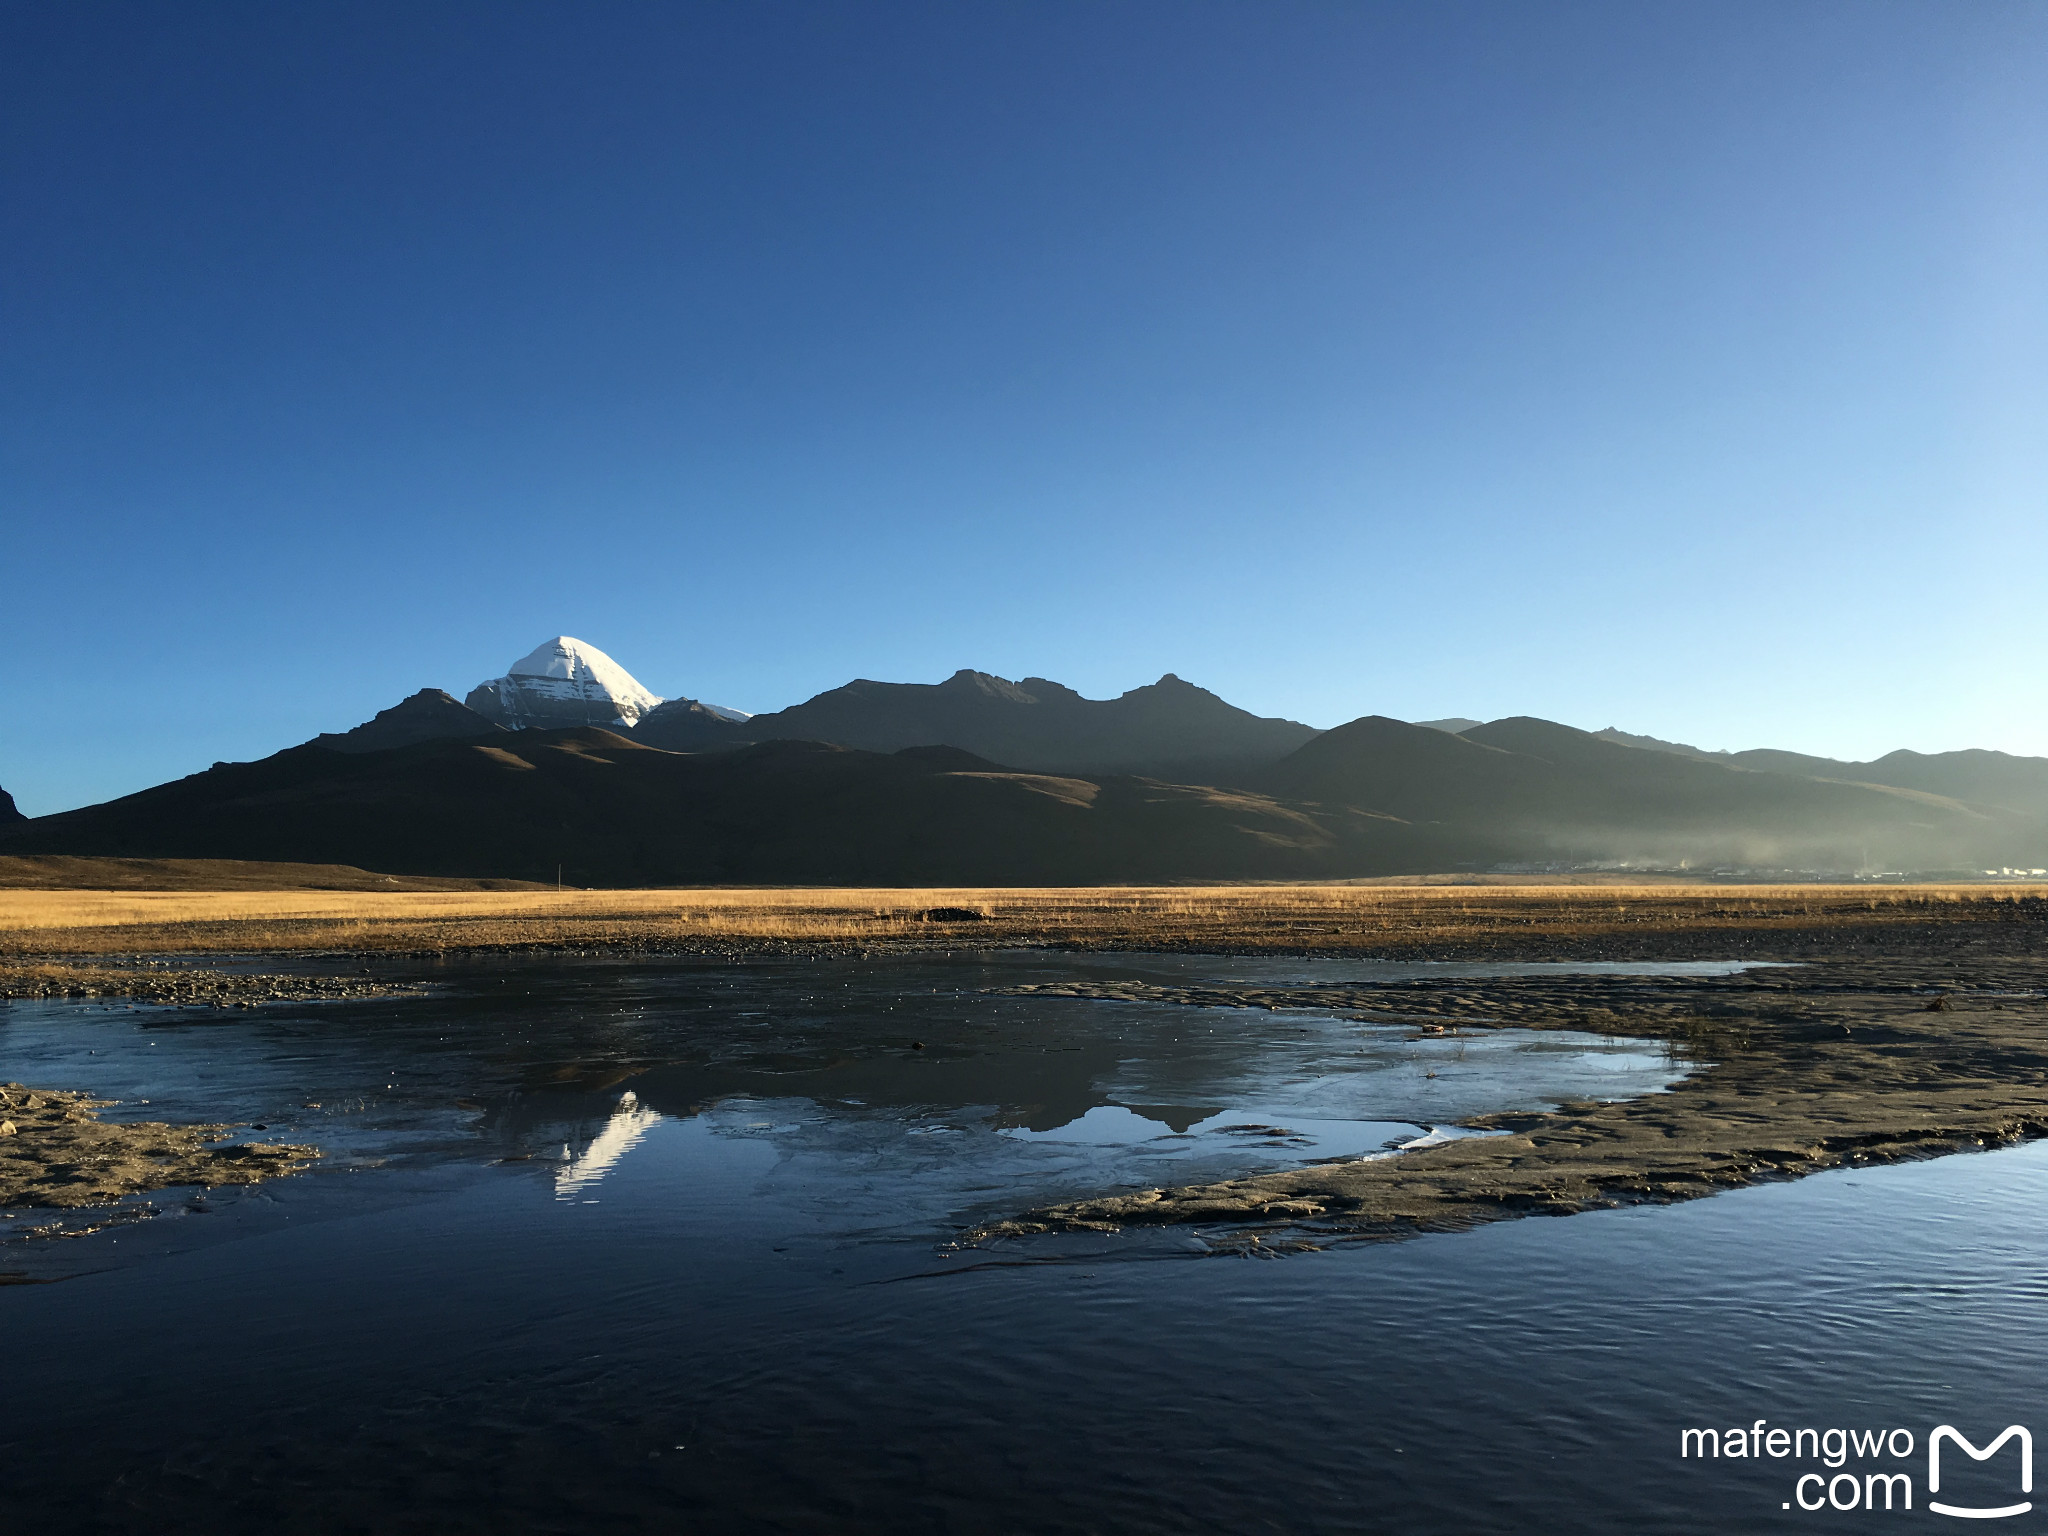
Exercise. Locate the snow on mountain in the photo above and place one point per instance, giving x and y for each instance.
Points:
(562, 682)
(567, 681)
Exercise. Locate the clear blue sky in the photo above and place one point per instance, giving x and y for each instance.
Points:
(1676, 366)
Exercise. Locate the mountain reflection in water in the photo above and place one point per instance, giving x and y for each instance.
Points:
(629, 1122)
(733, 1306)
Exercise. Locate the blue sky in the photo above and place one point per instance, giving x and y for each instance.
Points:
(1681, 367)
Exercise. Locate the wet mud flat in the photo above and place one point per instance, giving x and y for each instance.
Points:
(57, 1153)
(1827, 1062)
(182, 983)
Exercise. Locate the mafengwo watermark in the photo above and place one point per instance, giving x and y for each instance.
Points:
(1873, 1469)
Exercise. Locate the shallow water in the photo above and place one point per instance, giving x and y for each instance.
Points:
(716, 1292)
(911, 1091)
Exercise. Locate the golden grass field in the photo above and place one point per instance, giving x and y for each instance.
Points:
(1363, 916)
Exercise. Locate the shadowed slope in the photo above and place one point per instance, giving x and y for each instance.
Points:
(608, 811)
(64, 872)
(429, 715)
(1416, 772)
(686, 725)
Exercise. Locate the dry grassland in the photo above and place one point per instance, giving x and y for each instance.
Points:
(1377, 917)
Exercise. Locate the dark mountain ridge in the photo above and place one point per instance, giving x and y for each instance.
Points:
(429, 715)
(1168, 729)
(610, 811)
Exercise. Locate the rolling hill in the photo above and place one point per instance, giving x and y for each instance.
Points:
(610, 811)
(1526, 789)
(1972, 775)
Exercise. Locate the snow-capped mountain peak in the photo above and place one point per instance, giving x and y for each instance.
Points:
(578, 661)
(563, 682)
(566, 681)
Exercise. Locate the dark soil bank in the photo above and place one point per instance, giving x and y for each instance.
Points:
(1938, 1045)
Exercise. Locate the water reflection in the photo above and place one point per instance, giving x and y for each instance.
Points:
(445, 1328)
(917, 1095)
(629, 1123)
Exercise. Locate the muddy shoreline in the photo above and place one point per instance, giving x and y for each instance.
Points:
(1843, 1061)
(55, 1152)
(147, 980)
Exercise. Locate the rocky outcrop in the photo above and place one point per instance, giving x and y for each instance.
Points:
(10, 814)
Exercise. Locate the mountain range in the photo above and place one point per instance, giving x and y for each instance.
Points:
(1169, 729)
(567, 761)
(1974, 775)
(1534, 791)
